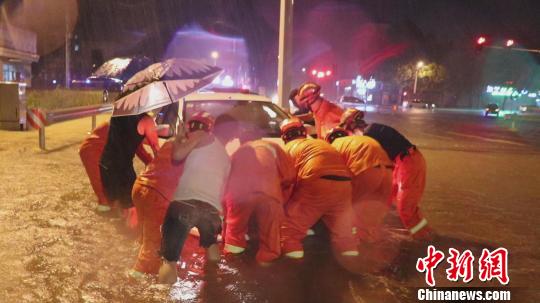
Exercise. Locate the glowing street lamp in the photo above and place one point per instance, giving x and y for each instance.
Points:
(214, 55)
(419, 66)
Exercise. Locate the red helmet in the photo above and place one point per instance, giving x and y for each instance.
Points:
(352, 118)
(308, 93)
(334, 133)
(201, 121)
(292, 129)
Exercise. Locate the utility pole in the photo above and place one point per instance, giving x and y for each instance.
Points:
(285, 51)
(68, 49)
(419, 65)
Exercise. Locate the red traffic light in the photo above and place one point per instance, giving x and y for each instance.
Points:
(321, 73)
(509, 43)
(481, 40)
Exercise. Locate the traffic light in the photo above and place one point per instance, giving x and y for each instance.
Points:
(480, 42)
(509, 43)
(322, 73)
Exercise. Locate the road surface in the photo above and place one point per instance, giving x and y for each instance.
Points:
(482, 192)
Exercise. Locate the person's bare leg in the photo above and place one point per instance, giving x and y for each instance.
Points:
(168, 273)
(213, 253)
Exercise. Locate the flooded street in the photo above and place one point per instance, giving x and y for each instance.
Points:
(55, 248)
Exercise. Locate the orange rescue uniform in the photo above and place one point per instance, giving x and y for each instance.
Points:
(372, 182)
(90, 152)
(152, 193)
(327, 115)
(323, 191)
(409, 185)
(261, 180)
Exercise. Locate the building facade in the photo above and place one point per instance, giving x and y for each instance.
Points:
(18, 50)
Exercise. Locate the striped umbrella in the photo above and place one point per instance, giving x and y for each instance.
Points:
(161, 84)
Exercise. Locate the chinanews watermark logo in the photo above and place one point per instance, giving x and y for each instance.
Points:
(461, 265)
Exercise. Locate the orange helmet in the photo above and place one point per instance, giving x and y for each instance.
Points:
(201, 121)
(308, 93)
(352, 118)
(334, 133)
(292, 129)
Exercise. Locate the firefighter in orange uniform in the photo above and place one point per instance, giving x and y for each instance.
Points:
(323, 191)
(326, 114)
(90, 153)
(260, 183)
(372, 180)
(154, 189)
(409, 176)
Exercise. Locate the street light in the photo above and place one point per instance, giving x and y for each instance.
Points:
(214, 55)
(419, 66)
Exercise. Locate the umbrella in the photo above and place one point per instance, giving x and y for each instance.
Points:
(163, 83)
(121, 68)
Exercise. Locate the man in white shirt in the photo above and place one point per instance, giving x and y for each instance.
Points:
(197, 199)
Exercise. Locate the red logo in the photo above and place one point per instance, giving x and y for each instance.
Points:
(490, 265)
(429, 263)
(460, 265)
(494, 265)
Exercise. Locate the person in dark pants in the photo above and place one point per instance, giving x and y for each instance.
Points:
(198, 197)
(90, 152)
(126, 133)
(409, 176)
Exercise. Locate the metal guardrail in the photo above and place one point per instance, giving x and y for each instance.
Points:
(61, 115)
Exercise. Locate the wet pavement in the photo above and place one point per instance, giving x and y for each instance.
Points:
(482, 192)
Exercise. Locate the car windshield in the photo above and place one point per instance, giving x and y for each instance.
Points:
(266, 116)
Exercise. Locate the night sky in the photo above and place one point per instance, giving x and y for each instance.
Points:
(369, 37)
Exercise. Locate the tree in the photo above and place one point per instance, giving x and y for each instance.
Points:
(430, 77)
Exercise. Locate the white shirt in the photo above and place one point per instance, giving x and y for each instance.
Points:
(206, 170)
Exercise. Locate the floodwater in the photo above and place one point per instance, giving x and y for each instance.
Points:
(55, 248)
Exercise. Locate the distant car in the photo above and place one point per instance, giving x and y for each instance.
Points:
(491, 109)
(351, 99)
(353, 102)
(532, 108)
(418, 103)
(111, 86)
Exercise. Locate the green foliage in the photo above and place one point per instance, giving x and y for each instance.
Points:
(430, 76)
(62, 98)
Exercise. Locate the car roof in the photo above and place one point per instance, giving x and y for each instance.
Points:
(213, 96)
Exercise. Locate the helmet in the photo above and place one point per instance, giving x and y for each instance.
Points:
(201, 121)
(308, 93)
(292, 94)
(334, 133)
(352, 118)
(292, 129)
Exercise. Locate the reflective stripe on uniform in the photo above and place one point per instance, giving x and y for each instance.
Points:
(418, 226)
(234, 249)
(295, 254)
(350, 253)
